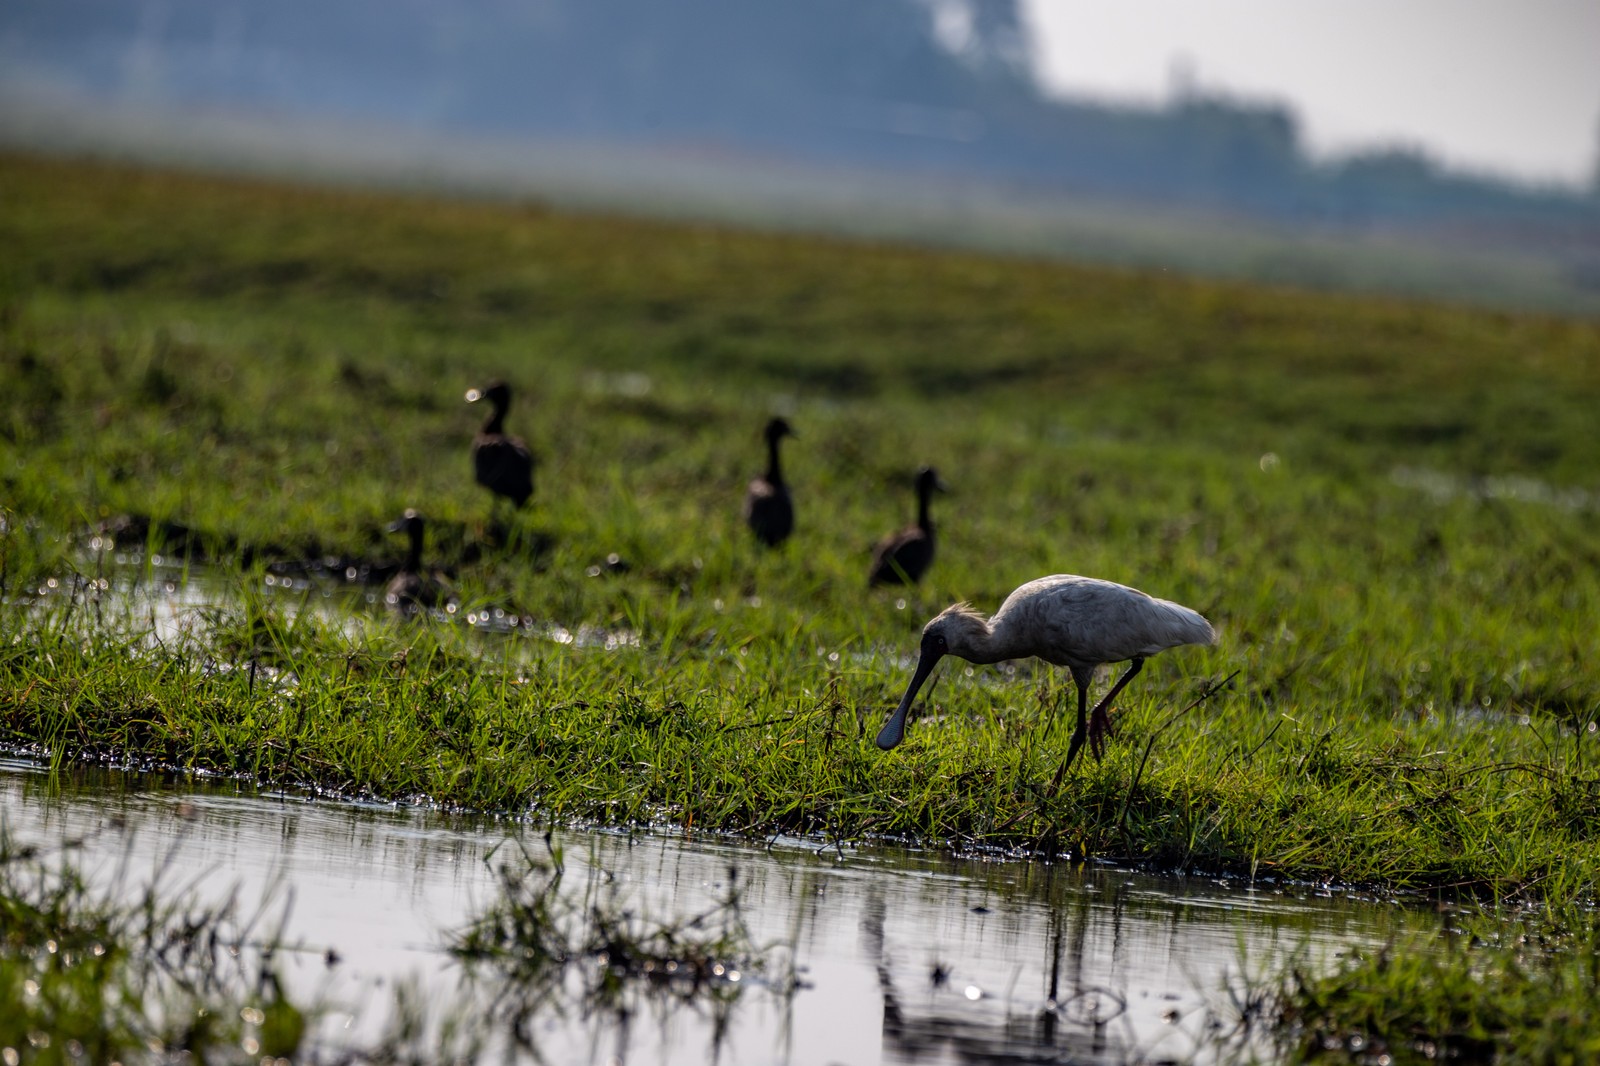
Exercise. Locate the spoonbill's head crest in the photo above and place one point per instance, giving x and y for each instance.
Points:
(954, 631)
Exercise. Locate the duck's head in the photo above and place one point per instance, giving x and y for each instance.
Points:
(410, 522)
(496, 392)
(777, 429)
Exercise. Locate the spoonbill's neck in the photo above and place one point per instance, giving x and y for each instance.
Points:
(977, 641)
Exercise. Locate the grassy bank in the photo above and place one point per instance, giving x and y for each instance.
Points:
(1385, 507)
(1497, 989)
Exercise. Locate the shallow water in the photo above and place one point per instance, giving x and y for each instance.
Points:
(173, 603)
(1136, 960)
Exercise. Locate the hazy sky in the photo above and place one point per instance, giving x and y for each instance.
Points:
(1509, 86)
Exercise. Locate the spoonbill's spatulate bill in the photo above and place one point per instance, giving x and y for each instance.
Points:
(1066, 620)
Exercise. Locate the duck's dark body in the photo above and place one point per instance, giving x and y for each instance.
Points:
(902, 558)
(501, 463)
(411, 588)
(768, 510)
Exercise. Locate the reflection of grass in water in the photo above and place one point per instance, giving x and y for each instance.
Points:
(537, 939)
(84, 978)
(88, 977)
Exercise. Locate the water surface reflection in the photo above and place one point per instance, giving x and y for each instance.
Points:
(905, 957)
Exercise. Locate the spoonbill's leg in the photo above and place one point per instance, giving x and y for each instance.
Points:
(1099, 721)
(1082, 677)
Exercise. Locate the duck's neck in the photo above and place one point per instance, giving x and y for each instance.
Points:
(924, 494)
(414, 556)
(495, 423)
(774, 468)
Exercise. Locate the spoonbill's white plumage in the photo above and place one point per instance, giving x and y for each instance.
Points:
(1066, 620)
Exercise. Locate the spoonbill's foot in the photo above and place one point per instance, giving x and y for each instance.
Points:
(1100, 731)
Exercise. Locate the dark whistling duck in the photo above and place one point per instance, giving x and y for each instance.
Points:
(501, 462)
(902, 558)
(411, 589)
(768, 510)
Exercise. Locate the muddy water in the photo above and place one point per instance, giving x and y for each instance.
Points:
(1134, 961)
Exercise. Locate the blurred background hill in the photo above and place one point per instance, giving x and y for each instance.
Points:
(919, 119)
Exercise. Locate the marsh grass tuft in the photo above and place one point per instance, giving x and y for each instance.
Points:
(537, 937)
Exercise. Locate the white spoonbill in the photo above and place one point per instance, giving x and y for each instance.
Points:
(1066, 620)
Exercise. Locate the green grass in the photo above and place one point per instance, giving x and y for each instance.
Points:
(280, 372)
